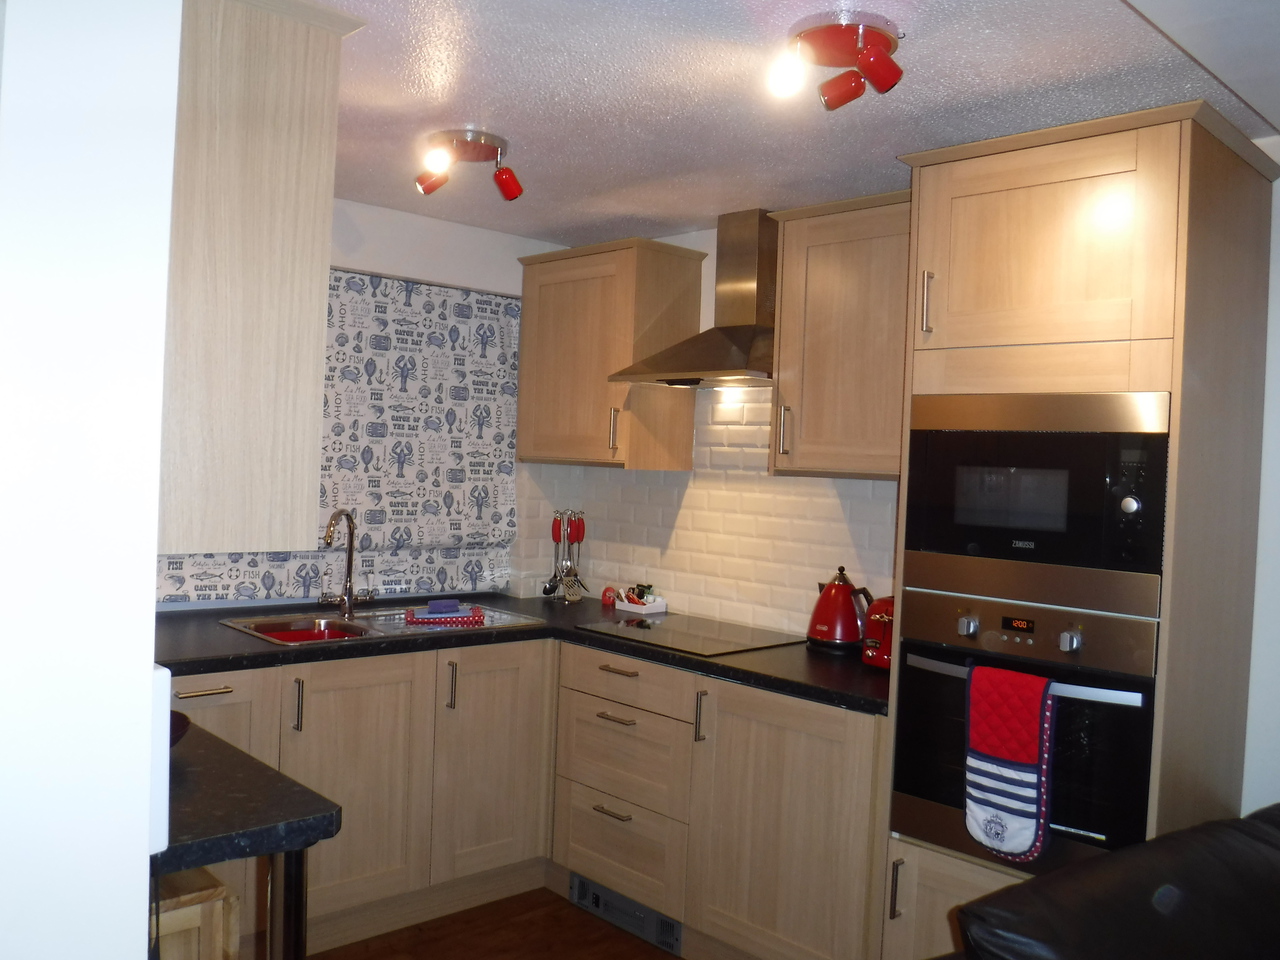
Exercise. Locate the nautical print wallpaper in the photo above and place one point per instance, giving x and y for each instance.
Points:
(418, 443)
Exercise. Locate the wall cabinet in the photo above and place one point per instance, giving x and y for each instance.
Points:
(491, 806)
(586, 313)
(249, 257)
(924, 886)
(243, 708)
(360, 732)
(780, 850)
(840, 343)
(622, 785)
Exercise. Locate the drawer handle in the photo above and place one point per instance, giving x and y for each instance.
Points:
(297, 717)
(606, 715)
(212, 692)
(619, 671)
(894, 912)
(601, 808)
(453, 686)
(698, 735)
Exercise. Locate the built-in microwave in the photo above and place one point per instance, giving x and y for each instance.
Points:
(1074, 480)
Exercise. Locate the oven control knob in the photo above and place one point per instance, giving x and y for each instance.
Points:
(967, 626)
(1069, 641)
(1130, 505)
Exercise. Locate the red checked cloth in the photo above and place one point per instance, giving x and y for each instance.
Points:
(1010, 720)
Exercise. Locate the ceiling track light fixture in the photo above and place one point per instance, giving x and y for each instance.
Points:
(862, 43)
(448, 147)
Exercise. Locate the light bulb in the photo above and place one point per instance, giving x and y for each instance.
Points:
(438, 159)
(787, 74)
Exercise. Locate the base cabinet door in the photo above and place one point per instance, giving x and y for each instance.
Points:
(359, 732)
(779, 829)
(924, 888)
(243, 708)
(495, 709)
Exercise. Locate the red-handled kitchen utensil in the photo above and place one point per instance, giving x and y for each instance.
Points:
(557, 534)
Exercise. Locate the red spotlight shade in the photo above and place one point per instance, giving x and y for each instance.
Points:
(507, 183)
(430, 182)
(880, 69)
(841, 88)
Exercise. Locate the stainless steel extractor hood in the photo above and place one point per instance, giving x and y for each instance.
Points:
(738, 350)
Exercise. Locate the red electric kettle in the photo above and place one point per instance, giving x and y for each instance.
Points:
(840, 615)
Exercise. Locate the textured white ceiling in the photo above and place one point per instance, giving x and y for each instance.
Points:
(650, 118)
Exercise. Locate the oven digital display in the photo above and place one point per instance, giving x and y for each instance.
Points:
(1017, 623)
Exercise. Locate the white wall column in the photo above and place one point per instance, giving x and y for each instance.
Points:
(87, 99)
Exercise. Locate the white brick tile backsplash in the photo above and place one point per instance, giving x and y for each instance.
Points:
(726, 541)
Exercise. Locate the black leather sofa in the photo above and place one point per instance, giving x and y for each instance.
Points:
(1209, 892)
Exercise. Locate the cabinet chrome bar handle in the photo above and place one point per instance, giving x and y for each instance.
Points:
(619, 671)
(453, 687)
(606, 715)
(211, 692)
(601, 808)
(297, 717)
(894, 912)
(698, 735)
(926, 282)
(782, 431)
(613, 428)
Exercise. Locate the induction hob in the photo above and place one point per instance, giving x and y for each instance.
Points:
(696, 635)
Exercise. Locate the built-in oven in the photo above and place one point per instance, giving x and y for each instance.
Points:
(1100, 666)
(1034, 535)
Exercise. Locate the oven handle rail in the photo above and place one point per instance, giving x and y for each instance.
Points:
(1123, 698)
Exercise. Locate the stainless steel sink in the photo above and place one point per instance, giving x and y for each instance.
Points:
(378, 622)
(290, 631)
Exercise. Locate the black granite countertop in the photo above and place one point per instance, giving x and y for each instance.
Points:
(225, 805)
(194, 642)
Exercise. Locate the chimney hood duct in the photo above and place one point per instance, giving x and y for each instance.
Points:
(738, 350)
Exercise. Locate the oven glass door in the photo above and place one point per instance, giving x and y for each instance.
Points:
(1100, 768)
(1080, 499)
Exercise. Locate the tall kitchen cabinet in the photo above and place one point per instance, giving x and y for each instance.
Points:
(495, 709)
(1126, 254)
(586, 313)
(840, 339)
(361, 732)
(780, 825)
(248, 274)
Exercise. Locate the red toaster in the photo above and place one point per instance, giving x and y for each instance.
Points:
(877, 644)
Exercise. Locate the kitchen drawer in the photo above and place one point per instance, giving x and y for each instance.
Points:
(641, 856)
(639, 683)
(626, 752)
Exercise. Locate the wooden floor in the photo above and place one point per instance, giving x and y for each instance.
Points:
(538, 925)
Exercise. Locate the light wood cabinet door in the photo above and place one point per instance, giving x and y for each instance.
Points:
(495, 709)
(243, 708)
(573, 334)
(1062, 243)
(780, 822)
(841, 343)
(359, 732)
(248, 275)
(925, 887)
(585, 314)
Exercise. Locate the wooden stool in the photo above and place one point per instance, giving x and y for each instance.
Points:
(198, 919)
